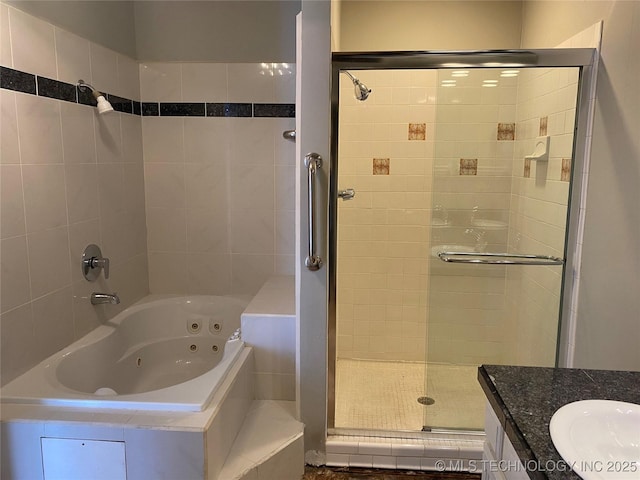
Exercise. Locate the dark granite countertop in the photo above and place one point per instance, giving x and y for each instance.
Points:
(525, 399)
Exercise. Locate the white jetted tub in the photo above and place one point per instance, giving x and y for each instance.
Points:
(160, 354)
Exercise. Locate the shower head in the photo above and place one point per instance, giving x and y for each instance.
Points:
(361, 90)
(103, 104)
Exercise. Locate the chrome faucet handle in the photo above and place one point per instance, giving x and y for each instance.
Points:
(93, 263)
(101, 263)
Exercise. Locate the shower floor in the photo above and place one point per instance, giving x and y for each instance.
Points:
(384, 396)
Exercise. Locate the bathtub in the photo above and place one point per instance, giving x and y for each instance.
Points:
(163, 353)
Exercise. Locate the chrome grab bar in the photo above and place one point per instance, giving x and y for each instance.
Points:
(313, 162)
(499, 258)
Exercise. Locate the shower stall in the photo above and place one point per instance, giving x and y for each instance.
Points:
(451, 247)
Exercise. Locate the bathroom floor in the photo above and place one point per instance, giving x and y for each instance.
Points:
(384, 396)
(345, 473)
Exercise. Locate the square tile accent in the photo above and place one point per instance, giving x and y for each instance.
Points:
(381, 166)
(543, 126)
(506, 131)
(527, 168)
(417, 131)
(565, 174)
(468, 166)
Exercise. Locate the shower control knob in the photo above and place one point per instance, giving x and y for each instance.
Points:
(93, 263)
(346, 194)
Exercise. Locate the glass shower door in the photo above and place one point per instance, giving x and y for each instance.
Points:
(501, 181)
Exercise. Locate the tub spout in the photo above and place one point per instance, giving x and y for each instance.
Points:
(100, 298)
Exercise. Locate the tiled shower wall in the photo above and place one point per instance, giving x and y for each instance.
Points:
(69, 178)
(219, 190)
(539, 199)
(474, 147)
(386, 153)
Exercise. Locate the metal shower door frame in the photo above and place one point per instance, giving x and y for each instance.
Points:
(583, 58)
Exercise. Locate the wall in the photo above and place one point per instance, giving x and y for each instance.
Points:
(216, 31)
(429, 25)
(386, 154)
(538, 216)
(607, 324)
(69, 178)
(474, 144)
(107, 23)
(219, 190)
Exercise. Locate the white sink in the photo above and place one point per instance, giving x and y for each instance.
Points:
(599, 439)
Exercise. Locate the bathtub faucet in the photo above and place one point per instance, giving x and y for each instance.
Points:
(100, 298)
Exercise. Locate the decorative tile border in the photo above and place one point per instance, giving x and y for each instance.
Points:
(23, 82)
(527, 168)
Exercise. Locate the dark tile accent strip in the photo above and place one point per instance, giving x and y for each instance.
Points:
(150, 109)
(18, 81)
(48, 87)
(120, 104)
(280, 110)
(182, 109)
(229, 110)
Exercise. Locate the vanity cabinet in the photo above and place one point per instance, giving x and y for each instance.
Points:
(499, 459)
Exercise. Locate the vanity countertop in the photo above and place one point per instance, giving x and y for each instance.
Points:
(525, 399)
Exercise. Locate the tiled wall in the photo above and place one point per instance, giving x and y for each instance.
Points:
(219, 176)
(423, 187)
(539, 198)
(472, 183)
(69, 178)
(386, 153)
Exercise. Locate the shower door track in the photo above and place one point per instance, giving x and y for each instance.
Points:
(583, 58)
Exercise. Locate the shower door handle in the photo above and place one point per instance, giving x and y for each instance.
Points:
(499, 258)
(313, 162)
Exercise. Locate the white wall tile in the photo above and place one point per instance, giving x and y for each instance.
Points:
(160, 82)
(164, 185)
(9, 141)
(253, 231)
(5, 37)
(168, 272)
(108, 138)
(128, 78)
(206, 140)
(32, 44)
(40, 132)
(73, 57)
(209, 273)
(249, 272)
(166, 229)
(44, 196)
(104, 68)
(11, 201)
(208, 230)
(53, 321)
(15, 273)
(204, 82)
(49, 264)
(163, 139)
(250, 82)
(82, 195)
(78, 135)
